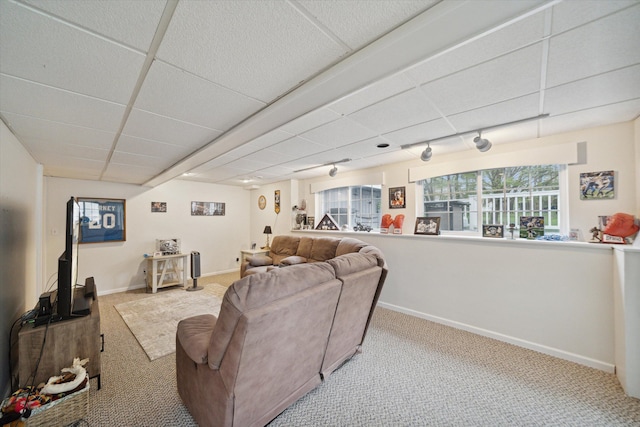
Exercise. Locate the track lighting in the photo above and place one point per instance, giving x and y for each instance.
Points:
(426, 154)
(482, 144)
(333, 171)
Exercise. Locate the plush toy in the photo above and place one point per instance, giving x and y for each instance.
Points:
(65, 383)
(621, 225)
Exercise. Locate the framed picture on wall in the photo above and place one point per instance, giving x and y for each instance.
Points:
(396, 197)
(597, 185)
(102, 220)
(207, 209)
(159, 207)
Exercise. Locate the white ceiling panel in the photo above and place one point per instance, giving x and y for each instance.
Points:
(276, 49)
(270, 157)
(357, 22)
(421, 132)
(337, 133)
(41, 148)
(60, 164)
(507, 77)
(65, 57)
(156, 163)
(403, 110)
(508, 111)
(132, 23)
(56, 132)
(143, 124)
(599, 47)
(571, 14)
(31, 99)
(133, 145)
(190, 99)
(310, 120)
(126, 174)
(616, 86)
(297, 147)
(470, 54)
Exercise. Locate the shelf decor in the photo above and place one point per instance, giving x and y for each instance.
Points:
(102, 220)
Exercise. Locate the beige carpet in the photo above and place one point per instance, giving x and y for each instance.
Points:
(153, 320)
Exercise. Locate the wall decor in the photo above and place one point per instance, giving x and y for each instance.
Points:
(597, 185)
(531, 227)
(311, 221)
(207, 209)
(262, 202)
(493, 230)
(159, 207)
(276, 200)
(327, 223)
(427, 225)
(396, 197)
(102, 220)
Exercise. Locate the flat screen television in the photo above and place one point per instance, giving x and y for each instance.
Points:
(68, 261)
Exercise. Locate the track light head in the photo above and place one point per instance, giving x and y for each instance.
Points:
(426, 154)
(333, 172)
(482, 144)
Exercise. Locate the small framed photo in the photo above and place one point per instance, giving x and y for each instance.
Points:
(396, 197)
(159, 207)
(597, 185)
(531, 227)
(311, 222)
(427, 225)
(493, 230)
(207, 209)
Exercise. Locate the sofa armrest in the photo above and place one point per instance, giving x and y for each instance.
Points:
(293, 260)
(194, 335)
(259, 260)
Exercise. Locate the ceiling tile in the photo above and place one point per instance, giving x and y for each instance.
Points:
(510, 76)
(497, 114)
(372, 94)
(310, 120)
(126, 174)
(599, 47)
(616, 86)
(421, 132)
(158, 163)
(297, 147)
(65, 57)
(133, 145)
(407, 109)
(143, 124)
(56, 132)
(486, 47)
(41, 149)
(356, 23)
(190, 99)
(130, 22)
(31, 99)
(337, 133)
(571, 14)
(274, 39)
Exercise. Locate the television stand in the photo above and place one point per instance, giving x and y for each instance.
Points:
(78, 336)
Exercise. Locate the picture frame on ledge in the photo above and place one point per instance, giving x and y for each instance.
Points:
(493, 230)
(531, 227)
(429, 225)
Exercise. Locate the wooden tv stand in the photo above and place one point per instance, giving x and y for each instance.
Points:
(65, 340)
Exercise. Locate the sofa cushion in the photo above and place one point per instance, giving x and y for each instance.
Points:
(259, 260)
(352, 262)
(284, 245)
(348, 245)
(304, 248)
(293, 260)
(194, 334)
(324, 248)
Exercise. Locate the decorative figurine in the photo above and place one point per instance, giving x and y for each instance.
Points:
(512, 228)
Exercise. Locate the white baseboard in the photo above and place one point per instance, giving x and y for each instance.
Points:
(561, 354)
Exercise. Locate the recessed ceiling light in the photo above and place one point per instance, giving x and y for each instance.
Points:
(188, 174)
(382, 145)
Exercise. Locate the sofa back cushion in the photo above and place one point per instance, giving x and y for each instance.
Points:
(348, 245)
(273, 330)
(361, 277)
(282, 247)
(323, 248)
(257, 290)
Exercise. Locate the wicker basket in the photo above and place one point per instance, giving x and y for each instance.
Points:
(61, 412)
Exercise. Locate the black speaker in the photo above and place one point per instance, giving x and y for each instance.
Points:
(44, 305)
(195, 271)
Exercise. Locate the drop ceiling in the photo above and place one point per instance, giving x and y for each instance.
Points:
(248, 92)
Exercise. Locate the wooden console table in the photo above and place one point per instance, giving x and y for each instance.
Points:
(166, 270)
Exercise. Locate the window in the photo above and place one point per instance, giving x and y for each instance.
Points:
(351, 206)
(494, 196)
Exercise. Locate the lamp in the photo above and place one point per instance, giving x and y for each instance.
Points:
(482, 144)
(426, 154)
(267, 231)
(333, 171)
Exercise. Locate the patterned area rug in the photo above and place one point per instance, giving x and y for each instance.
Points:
(154, 320)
